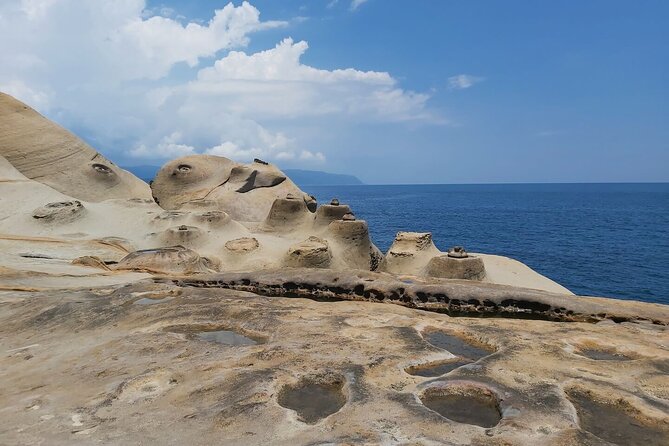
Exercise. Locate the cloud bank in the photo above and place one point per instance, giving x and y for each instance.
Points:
(148, 84)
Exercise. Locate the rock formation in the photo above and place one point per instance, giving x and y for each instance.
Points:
(221, 304)
(43, 151)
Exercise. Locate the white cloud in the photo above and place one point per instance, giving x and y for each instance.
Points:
(463, 81)
(106, 70)
(275, 84)
(355, 4)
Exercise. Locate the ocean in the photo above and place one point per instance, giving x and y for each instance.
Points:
(607, 240)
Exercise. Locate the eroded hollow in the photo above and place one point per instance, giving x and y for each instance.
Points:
(618, 423)
(218, 335)
(603, 355)
(152, 300)
(466, 404)
(458, 346)
(437, 368)
(314, 398)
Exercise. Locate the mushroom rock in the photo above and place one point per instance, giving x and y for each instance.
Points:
(457, 252)
(311, 202)
(409, 253)
(182, 235)
(327, 213)
(313, 252)
(45, 152)
(287, 214)
(449, 267)
(245, 192)
(213, 219)
(169, 260)
(351, 244)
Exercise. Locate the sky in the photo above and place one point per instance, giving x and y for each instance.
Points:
(394, 92)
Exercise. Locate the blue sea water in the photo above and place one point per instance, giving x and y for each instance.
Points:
(596, 239)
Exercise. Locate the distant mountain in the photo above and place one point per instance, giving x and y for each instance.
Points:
(300, 177)
(317, 178)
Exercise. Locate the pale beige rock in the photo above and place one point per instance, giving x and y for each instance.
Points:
(169, 260)
(313, 252)
(91, 261)
(447, 267)
(44, 151)
(98, 356)
(94, 366)
(409, 253)
(246, 192)
(242, 245)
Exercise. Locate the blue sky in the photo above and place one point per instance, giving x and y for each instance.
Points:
(393, 92)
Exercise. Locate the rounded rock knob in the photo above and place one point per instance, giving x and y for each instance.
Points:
(348, 217)
(334, 202)
(457, 252)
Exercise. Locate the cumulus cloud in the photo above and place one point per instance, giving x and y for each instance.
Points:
(275, 84)
(463, 81)
(107, 70)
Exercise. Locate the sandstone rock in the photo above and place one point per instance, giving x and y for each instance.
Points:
(448, 267)
(60, 212)
(287, 214)
(457, 252)
(46, 152)
(92, 261)
(322, 372)
(245, 192)
(329, 212)
(169, 260)
(313, 252)
(409, 253)
(189, 178)
(242, 245)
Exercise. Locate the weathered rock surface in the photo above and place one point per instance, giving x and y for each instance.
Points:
(44, 151)
(170, 260)
(246, 192)
(100, 366)
(461, 267)
(125, 320)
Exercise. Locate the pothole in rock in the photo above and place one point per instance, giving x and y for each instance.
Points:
(313, 398)
(603, 355)
(458, 346)
(437, 368)
(466, 352)
(618, 423)
(152, 300)
(214, 334)
(466, 404)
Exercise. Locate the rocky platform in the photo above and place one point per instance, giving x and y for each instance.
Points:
(158, 363)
